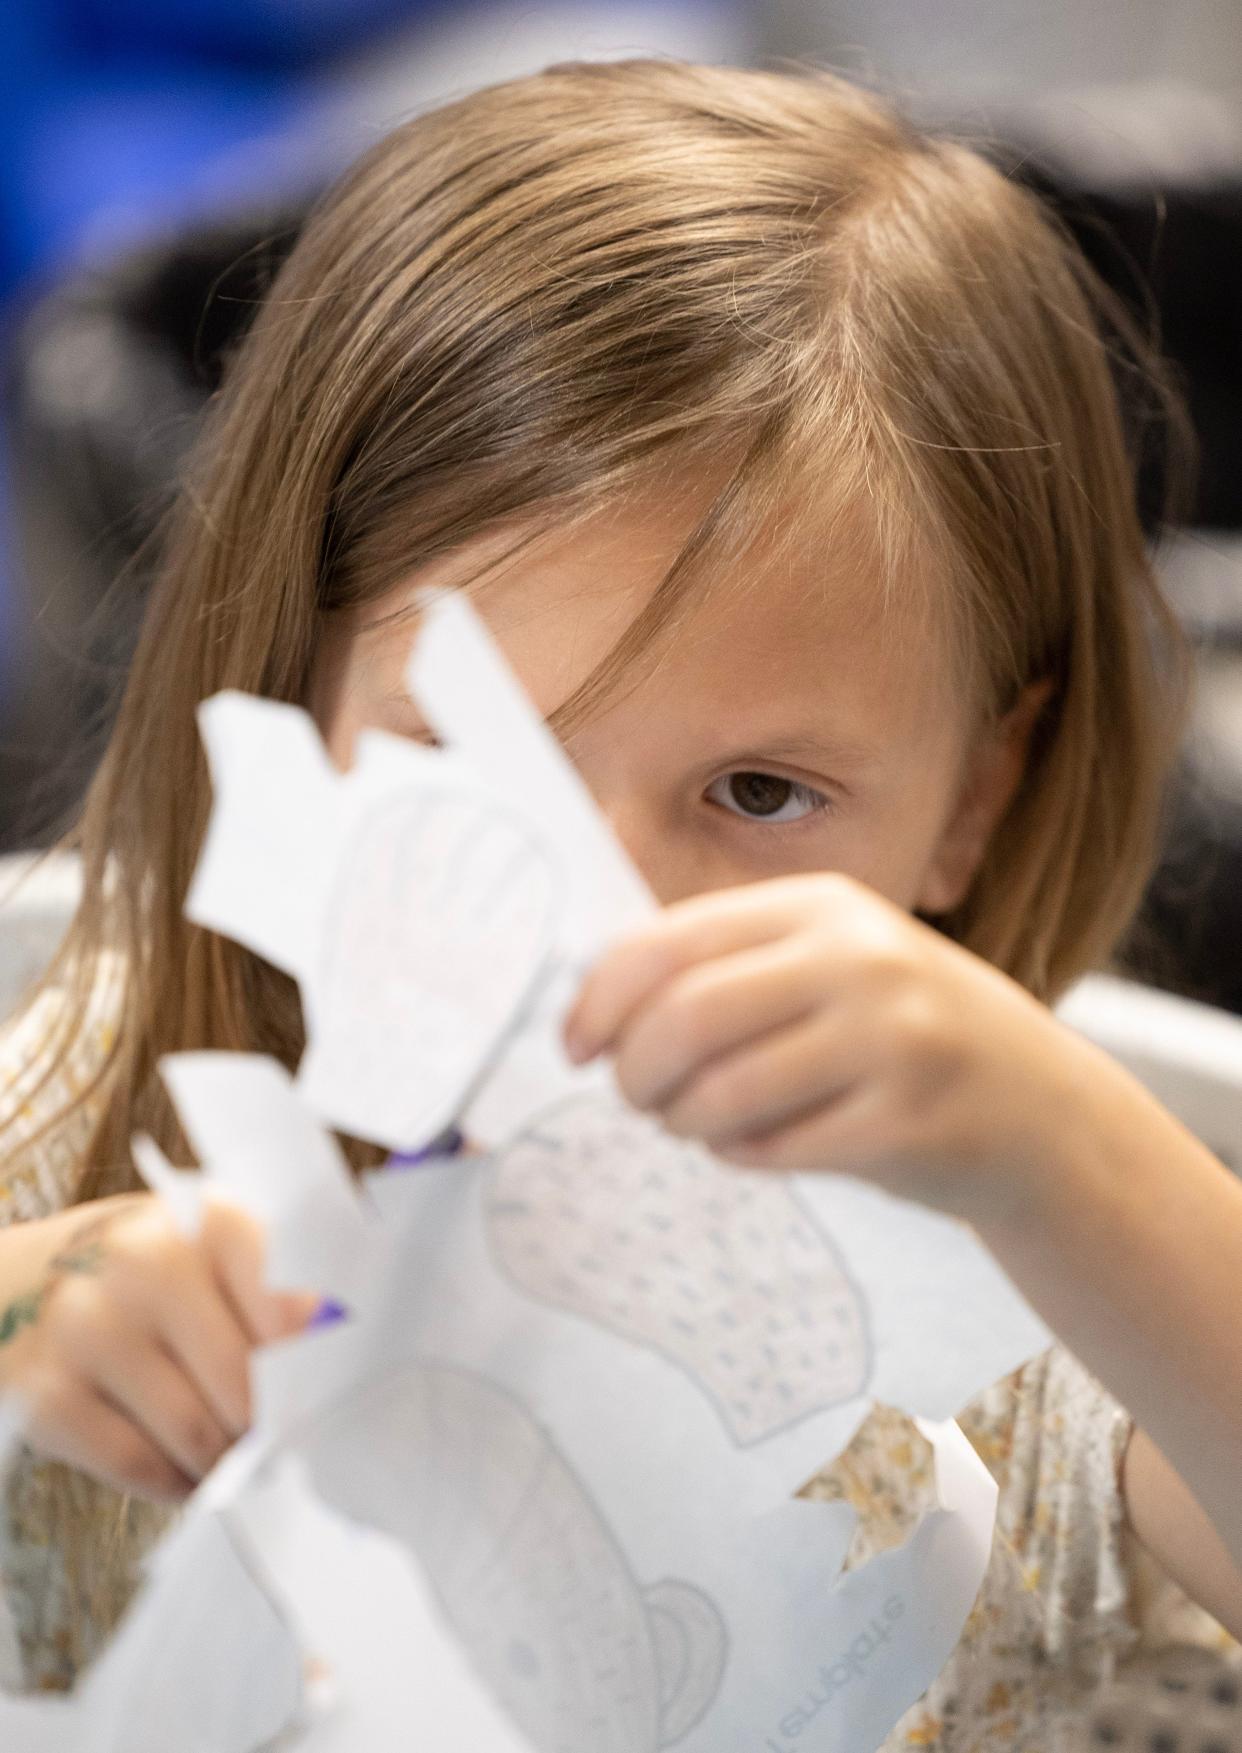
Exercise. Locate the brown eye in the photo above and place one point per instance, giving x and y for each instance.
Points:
(759, 794)
(766, 797)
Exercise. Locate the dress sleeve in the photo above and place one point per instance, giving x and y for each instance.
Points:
(1055, 1441)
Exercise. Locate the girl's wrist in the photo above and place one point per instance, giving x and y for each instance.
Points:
(1082, 1120)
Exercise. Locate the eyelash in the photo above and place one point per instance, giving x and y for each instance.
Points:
(816, 801)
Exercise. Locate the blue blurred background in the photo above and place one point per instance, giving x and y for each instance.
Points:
(155, 158)
(128, 129)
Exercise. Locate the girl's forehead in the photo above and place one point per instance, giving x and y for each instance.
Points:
(791, 631)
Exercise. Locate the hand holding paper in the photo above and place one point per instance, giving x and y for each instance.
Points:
(806, 1023)
(128, 1342)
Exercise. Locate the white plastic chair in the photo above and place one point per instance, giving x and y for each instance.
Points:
(1189, 1055)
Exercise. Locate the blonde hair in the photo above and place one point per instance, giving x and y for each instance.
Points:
(511, 307)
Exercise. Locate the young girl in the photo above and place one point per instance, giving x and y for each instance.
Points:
(780, 447)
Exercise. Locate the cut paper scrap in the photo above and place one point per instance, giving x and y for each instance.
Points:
(428, 902)
(262, 1148)
(414, 911)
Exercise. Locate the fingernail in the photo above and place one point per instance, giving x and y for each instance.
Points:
(577, 1048)
(449, 1143)
(327, 1314)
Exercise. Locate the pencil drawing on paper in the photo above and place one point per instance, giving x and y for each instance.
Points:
(582, 1655)
(441, 924)
(596, 1210)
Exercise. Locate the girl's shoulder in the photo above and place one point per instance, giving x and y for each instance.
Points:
(1055, 1440)
(1132, 1648)
(52, 1050)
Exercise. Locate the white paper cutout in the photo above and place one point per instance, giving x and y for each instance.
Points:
(447, 1388)
(704, 1607)
(472, 700)
(441, 910)
(262, 1148)
(571, 1494)
(443, 923)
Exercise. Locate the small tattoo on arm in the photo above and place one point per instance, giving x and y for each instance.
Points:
(80, 1254)
(22, 1312)
(80, 1259)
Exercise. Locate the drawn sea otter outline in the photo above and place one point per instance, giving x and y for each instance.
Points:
(574, 1220)
(528, 1572)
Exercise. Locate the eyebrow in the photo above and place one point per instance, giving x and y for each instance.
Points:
(796, 747)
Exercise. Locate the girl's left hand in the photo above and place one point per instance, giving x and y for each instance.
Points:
(806, 1023)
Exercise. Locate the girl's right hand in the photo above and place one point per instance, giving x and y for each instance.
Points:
(127, 1345)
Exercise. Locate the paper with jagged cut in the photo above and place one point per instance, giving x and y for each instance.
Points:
(652, 1583)
(435, 907)
(261, 1146)
(420, 913)
(620, 1574)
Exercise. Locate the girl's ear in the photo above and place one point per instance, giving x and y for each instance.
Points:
(992, 772)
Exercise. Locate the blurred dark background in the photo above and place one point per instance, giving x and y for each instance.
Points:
(157, 162)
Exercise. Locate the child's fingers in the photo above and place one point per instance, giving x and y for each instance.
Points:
(207, 1338)
(682, 935)
(839, 1137)
(125, 1359)
(234, 1244)
(142, 1380)
(713, 1009)
(70, 1420)
(792, 1074)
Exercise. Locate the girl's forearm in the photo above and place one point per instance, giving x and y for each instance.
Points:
(1133, 1256)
